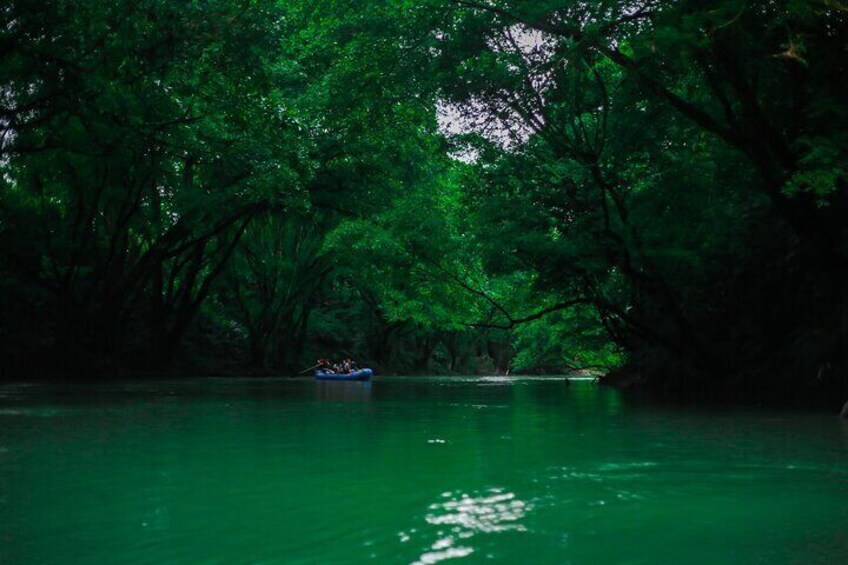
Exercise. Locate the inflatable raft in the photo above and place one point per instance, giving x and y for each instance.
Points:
(360, 375)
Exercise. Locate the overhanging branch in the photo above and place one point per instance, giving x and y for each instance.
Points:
(535, 316)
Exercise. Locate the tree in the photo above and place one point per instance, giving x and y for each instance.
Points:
(139, 142)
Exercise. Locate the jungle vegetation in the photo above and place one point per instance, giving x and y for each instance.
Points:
(655, 189)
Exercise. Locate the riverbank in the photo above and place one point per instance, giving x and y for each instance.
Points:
(780, 392)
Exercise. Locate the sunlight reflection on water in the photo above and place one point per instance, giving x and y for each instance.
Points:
(494, 512)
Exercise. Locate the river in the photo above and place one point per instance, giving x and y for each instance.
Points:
(411, 470)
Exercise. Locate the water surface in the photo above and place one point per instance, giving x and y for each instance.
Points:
(409, 470)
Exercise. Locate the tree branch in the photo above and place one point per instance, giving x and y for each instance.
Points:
(540, 314)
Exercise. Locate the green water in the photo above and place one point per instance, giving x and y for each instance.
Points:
(411, 471)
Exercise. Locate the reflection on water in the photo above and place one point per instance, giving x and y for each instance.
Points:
(496, 512)
(460, 516)
(343, 391)
(443, 549)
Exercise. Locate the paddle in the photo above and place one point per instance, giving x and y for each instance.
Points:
(309, 369)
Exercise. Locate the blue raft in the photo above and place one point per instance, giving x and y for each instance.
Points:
(360, 375)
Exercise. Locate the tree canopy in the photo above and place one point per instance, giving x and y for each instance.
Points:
(654, 188)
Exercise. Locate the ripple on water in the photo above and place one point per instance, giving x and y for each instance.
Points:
(626, 466)
(43, 412)
(465, 516)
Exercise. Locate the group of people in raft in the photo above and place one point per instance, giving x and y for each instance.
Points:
(344, 367)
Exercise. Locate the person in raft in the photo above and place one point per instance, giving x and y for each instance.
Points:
(345, 367)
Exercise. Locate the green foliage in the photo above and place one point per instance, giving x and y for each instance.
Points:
(142, 170)
(659, 186)
(571, 341)
(821, 171)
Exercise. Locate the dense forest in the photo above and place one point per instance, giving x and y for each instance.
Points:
(656, 189)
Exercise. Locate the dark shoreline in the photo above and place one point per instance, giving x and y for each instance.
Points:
(629, 382)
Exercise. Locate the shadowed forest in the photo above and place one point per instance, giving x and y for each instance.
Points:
(656, 190)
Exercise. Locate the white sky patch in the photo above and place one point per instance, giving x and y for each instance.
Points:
(505, 117)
